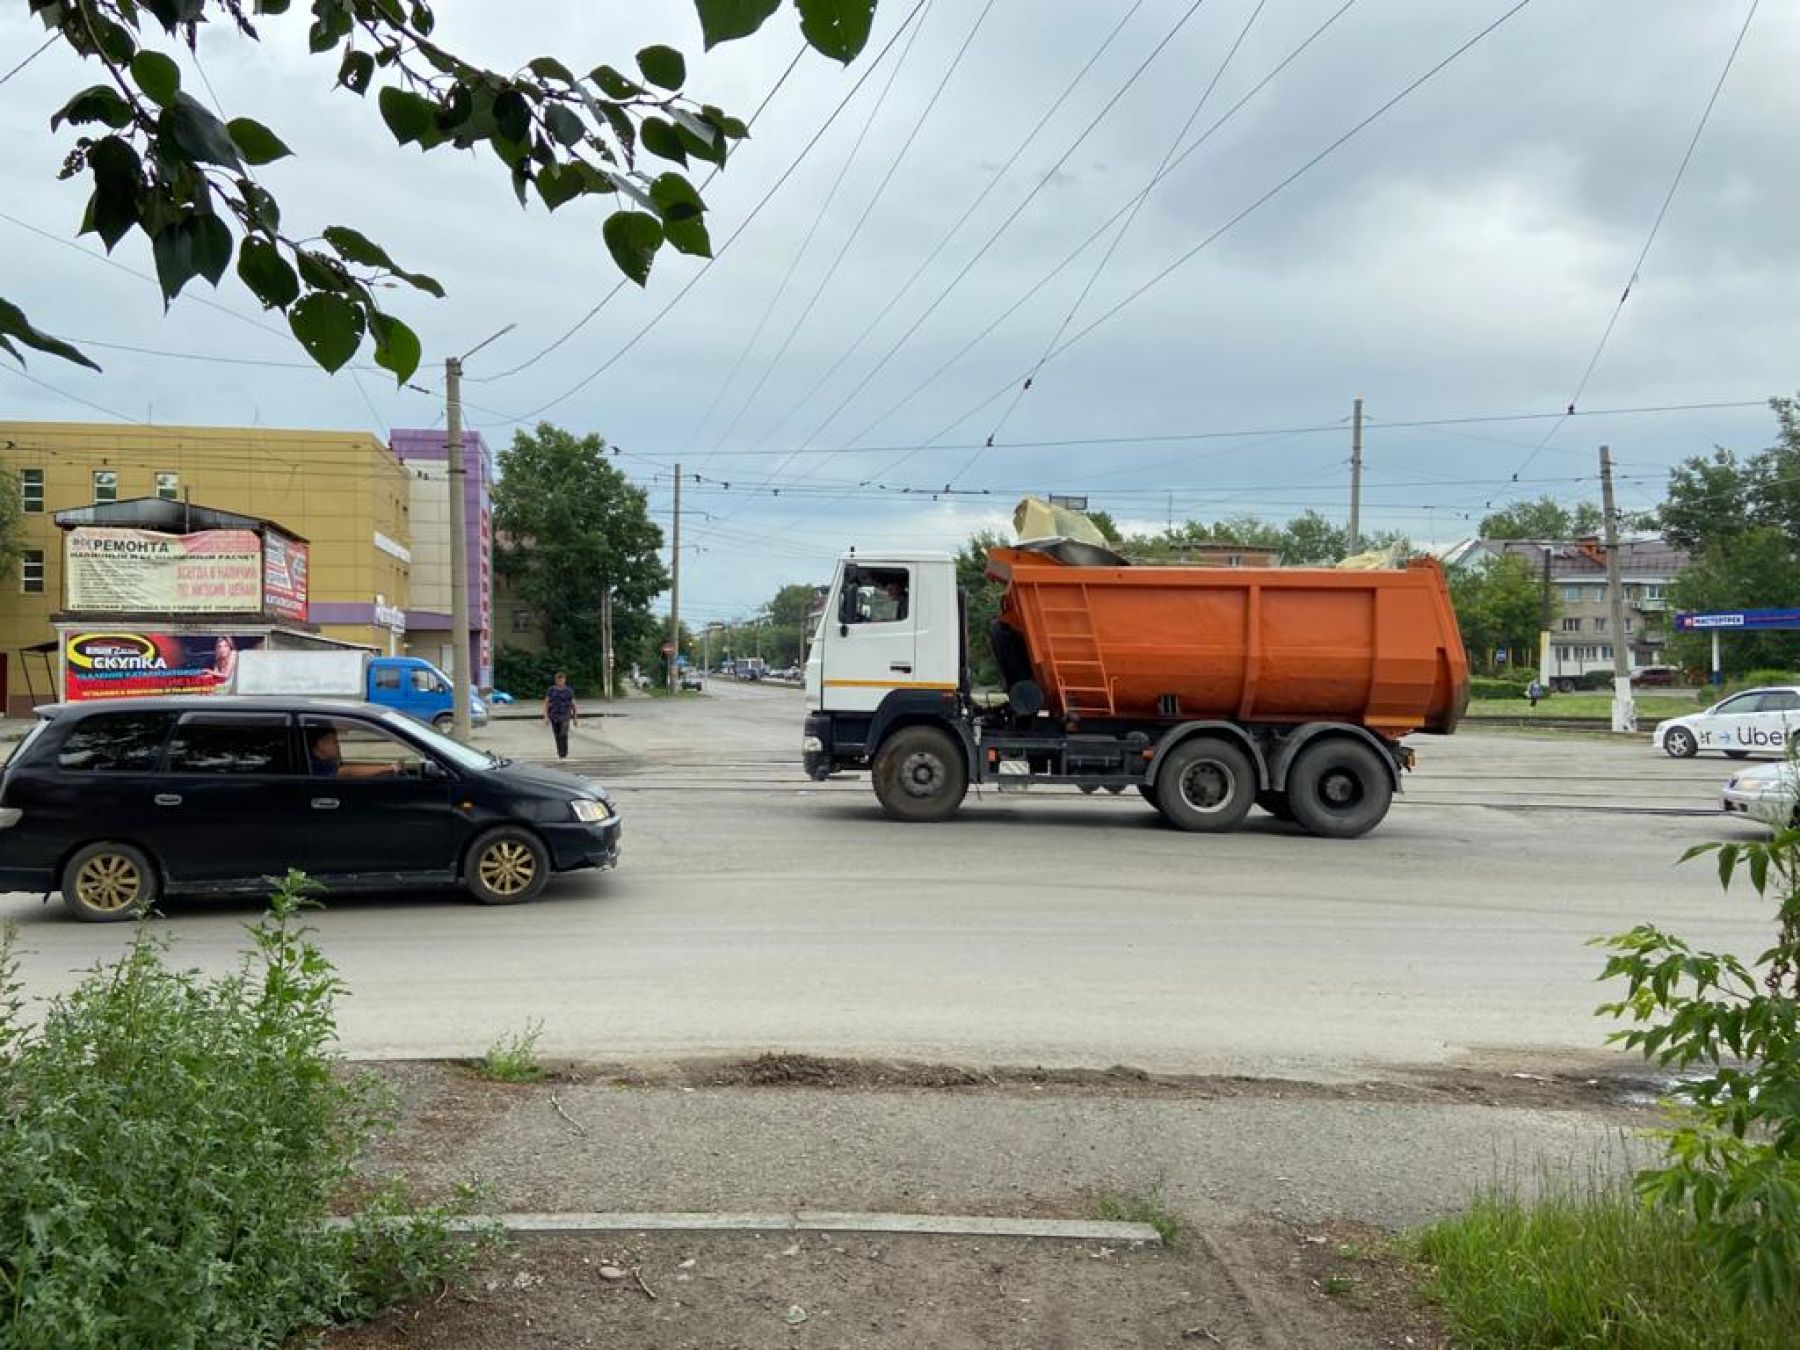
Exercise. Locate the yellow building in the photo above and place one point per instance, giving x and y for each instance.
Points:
(345, 493)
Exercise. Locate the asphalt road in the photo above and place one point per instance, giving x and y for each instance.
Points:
(756, 910)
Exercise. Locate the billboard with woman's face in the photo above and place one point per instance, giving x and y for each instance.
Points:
(121, 663)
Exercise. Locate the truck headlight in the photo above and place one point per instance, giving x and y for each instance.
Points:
(591, 812)
(811, 745)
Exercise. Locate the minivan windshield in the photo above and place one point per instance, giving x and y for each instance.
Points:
(37, 729)
(454, 751)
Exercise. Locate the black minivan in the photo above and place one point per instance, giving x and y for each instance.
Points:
(118, 802)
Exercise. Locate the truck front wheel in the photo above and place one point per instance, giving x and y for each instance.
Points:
(920, 775)
(1339, 789)
(1205, 784)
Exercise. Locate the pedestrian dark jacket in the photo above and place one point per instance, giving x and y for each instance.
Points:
(560, 700)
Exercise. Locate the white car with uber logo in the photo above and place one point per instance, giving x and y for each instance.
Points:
(1755, 722)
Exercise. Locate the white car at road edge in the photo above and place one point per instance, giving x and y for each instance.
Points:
(1769, 793)
(1757, 721)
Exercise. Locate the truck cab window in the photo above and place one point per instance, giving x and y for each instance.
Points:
(876, 595)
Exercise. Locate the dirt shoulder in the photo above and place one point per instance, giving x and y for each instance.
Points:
(1287, 1195)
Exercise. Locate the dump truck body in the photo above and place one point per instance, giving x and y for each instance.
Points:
(1379, 649)
(1206, 690)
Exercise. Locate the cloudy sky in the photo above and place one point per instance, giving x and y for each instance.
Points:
(858, 344)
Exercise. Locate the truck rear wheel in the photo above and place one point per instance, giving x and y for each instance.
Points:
(1205, 784)
(920, 775)
(1339, 789)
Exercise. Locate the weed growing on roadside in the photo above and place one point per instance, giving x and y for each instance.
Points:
(513, 1059)
(172, 1146)
(1590, 1265)
(1733, 1151)
(1145, 1208)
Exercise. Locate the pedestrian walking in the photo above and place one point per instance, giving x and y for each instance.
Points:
(1534, 691)
(560, 712)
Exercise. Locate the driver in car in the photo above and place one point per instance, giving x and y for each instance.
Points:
(326, 759)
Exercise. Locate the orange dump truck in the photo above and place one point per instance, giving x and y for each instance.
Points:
(1207, 690)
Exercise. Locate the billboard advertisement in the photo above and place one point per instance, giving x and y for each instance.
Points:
(284, 578)
(142, 571)
(125, 664)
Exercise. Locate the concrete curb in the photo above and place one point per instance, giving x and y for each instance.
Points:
(815, 1221)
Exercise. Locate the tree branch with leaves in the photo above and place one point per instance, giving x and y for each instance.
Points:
(162, 164)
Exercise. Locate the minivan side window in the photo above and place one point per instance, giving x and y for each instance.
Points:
(387, 677)
(424, 682)
(120, 742)
(1781, 700)
(208, 743)
(1742, 703)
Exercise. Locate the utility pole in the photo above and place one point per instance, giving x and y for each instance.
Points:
(1544, 623)
(675, 589)
(1355, 542)
(1624, 714)
(606, 644)
(459, 544)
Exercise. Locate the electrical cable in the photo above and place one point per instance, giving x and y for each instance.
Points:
(606, 299)
(805, 248)
(994, 181)
(1655, 226)
(1119, 238)
(49, 42)
(862, 220)
(64, 393)
(720, 252)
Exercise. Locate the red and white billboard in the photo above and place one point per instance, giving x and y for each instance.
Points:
(284, 578)
(121, 571)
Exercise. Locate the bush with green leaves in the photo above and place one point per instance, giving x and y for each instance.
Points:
(1732, 1029)
(172, 1148)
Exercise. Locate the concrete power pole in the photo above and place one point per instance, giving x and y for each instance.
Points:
(459, 549)
(1624, 713)
(459, 543)
(1544, 623)
(675, 589)
(606, 644)
(1356, 424)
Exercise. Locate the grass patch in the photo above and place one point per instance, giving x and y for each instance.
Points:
(1145, 1208)
(1585, 1266)
(1651, 705)
(513, 1059)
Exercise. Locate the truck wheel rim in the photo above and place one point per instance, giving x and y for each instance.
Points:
(109, 882)
(921, 774)
(1340, 790)
(1208, 786)
(508, 868)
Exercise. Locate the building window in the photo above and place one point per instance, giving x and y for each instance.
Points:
(106, 485)
(31, 490)
(31, 571)
(521, 619)
(1653, 592)
(1571, 625)
(1572, 594)
(168, 486)
(1599, 625)
(1629, 624)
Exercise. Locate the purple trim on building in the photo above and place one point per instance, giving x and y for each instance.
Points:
(431, 445)
(342, 611)
(426, 621)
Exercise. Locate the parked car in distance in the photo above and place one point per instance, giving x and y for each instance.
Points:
(1655, 677)
(498, 696)
(119, 802)
(1769, 793)
(1757, 721)
(692, 679)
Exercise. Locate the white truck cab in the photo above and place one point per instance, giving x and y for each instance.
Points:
(892, 623)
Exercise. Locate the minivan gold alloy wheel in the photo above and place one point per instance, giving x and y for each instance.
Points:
(109, 882)
(508, 867)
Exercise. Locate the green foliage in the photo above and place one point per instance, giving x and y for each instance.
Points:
(1585, 1265)
(1543, 519)
(1733, 1028)
(172, 1146)
(1499, 603)
(1755, 568)
(983, 601)
(163, 164)
(1147, 1208)
(526, 675)
(1487, 687)
(12, 521)
(513, 1059)
(569, 527)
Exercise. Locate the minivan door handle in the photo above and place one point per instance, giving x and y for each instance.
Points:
(168, 799)
(325, 803)
(901, 666)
